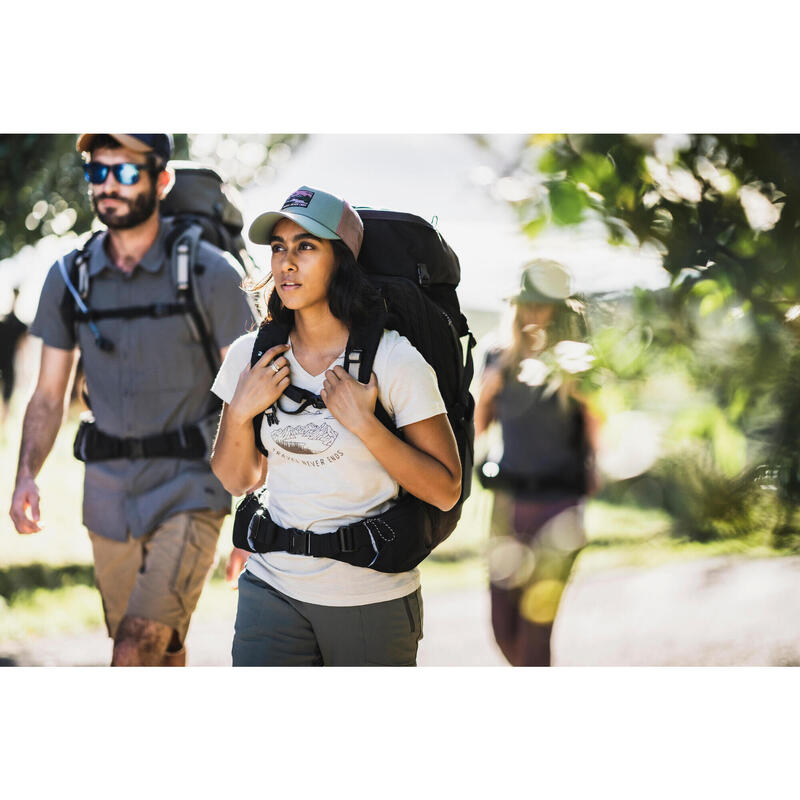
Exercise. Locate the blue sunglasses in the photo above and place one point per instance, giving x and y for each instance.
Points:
(126, 174)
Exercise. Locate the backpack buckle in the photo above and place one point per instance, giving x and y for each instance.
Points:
(159, 310)
(353, 362)
(346, 539)
(299, 543)
(135, 448)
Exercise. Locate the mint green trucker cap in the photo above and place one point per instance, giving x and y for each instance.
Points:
(318, 212)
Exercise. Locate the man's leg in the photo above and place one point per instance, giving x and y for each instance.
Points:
(178, 556)
(140, 643)
(116, 565)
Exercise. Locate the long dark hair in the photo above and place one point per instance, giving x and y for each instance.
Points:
(351, 297)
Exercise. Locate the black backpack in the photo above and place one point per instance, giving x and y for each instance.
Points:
(416, 273)
(200, 196)
(200, 207)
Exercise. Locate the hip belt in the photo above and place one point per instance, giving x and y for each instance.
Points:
(572, 482)
(394, 541)
(91, 444)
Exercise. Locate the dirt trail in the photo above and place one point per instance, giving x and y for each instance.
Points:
(722, 611)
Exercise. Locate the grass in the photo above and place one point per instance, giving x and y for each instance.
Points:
(47, 583)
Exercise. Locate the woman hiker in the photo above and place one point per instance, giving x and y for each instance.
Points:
(330, 466)
(542, 472)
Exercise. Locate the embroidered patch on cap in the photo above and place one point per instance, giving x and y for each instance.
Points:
(299, 199)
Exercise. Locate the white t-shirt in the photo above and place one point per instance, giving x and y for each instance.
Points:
(321, 476)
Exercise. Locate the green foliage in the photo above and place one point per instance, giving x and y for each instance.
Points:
(42, 190)
(566, 202)
(20, 578)
(707, 504)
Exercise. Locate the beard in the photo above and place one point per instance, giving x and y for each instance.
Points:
(141, 208)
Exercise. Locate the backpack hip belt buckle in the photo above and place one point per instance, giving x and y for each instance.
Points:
(160, 310)
(346, 539)
(135, 448)
(299, 543)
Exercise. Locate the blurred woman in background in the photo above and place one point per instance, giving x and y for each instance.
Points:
(541, 470)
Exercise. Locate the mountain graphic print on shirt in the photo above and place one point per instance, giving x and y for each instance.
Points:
(308, 439)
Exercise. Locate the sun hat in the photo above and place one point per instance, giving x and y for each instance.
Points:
(159, 143)
(318, 212)
(543, 281)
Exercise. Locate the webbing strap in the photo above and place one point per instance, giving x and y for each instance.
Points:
(91, 444)
(155, 310)
(265, 536)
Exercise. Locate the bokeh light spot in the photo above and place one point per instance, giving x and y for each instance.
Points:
(540, 600)
(510, 562)
(630, 443)
(279, 153)
(565, 532)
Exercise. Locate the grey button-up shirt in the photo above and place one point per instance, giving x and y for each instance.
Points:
(154, 380)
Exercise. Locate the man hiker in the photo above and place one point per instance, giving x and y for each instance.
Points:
(150, 347)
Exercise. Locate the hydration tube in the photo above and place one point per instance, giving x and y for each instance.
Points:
(102, 343)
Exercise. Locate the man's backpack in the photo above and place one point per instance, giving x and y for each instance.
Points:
(198, 207)
(416, 274)
(199, 196)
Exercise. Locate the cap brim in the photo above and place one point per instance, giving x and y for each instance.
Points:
(529, 296)
(84, 142)
(261, 228)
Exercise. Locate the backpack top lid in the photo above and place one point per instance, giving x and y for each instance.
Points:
(200, 190)
(400, 244)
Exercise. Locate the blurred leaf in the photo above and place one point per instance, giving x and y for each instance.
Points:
(550, 162)
(535, 226)
(705, 287)
(711, 302)
(739, 403)
(730, 447)
(566, 203)
(541, 139)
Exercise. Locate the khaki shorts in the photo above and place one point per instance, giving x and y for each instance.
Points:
(160, 575)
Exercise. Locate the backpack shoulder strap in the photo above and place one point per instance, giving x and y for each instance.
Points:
(182, 246)
(359, 358)
(76, 295)
(269, 334)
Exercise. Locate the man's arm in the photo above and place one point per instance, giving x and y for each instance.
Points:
(43, 418)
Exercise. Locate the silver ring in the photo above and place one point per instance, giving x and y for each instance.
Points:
(275, 368)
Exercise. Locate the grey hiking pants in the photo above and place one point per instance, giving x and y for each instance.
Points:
(274, 630)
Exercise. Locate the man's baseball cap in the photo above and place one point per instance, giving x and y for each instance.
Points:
(159, 143)
(318, 212)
